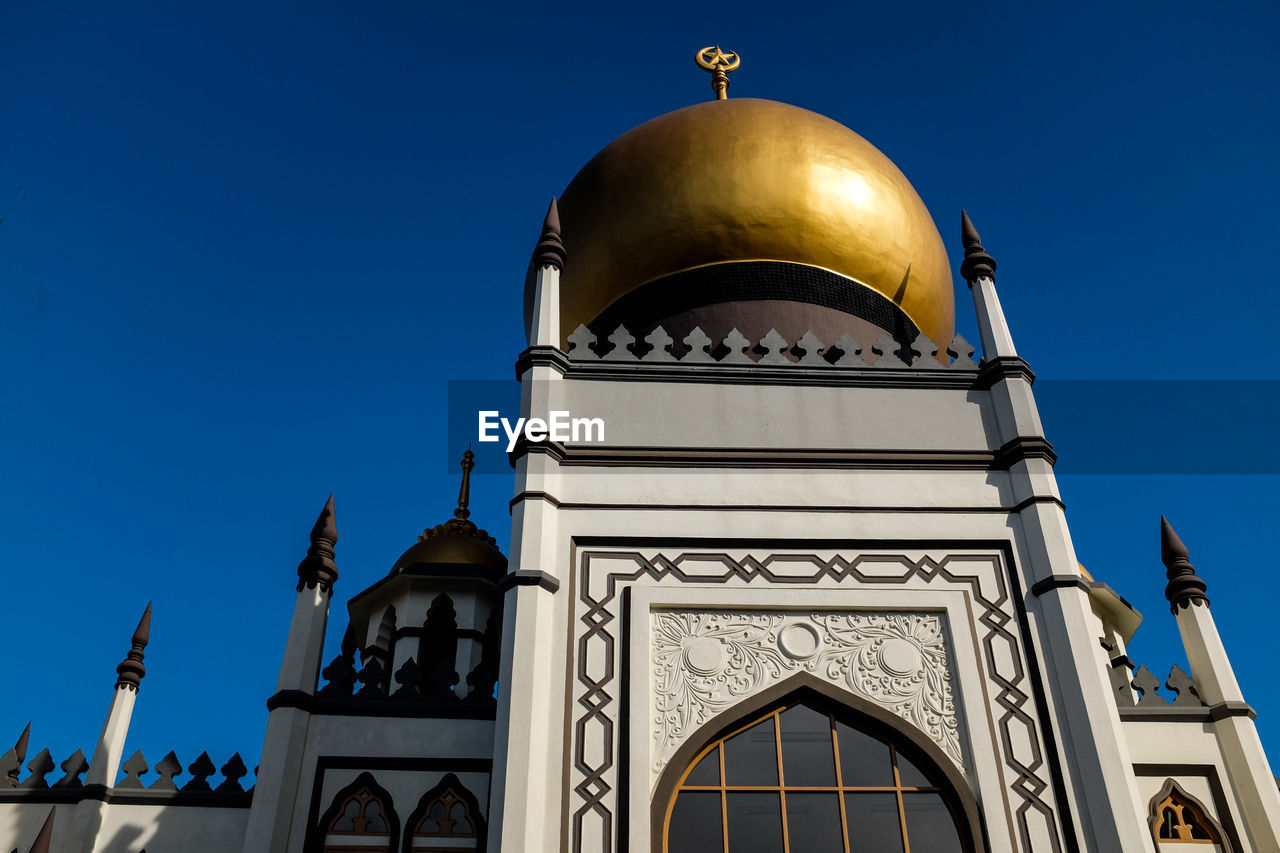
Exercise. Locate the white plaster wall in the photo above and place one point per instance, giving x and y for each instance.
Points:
(129, 828)
(373, 738)
(171, 829)
(676, 414)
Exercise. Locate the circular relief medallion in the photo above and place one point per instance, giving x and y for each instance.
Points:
(799, 641)
(900, 658)
(704, 656)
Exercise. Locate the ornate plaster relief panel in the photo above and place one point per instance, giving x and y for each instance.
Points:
(707, 660)
(991, 727)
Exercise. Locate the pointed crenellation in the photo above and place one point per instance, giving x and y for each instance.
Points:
(1184, 688)
(341, 672)
(201, 769)
(962, 351)
(168, 769)
(38, 768)
(1147, 684)
(926, 353)
(977, 263)
(232, 772)
(44, 838)
(72, 769)
(582, 344)
(699, 345)
(318, 567)
(130, 672)
(550, 249)
(134, 768)
(622, 341)
(1185, 587)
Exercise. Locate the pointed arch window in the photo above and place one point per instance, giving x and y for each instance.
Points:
(1179, 819)
(808, 777)
(447, 820)
(360, 819)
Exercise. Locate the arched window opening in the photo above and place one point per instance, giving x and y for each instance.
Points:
(1178, 818)
(806, 778)
(447, 819)
(360, 820)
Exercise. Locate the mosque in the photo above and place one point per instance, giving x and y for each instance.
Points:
(816, 591)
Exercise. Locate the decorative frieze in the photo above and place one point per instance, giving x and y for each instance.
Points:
(658, 347)
(707, 660)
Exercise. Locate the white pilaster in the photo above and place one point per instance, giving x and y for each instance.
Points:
(997, 341)
(1248, 770)
(270, 816)
(545, 329)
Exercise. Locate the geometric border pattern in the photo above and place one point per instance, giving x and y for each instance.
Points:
(594, 735)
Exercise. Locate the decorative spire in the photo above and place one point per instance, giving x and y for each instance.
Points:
(719, 63)
(45, 836)
(1185, 587)
(130, 671)
(20, 748)
(318, 567)
(464, 491)
(977, 263)
(550, 249)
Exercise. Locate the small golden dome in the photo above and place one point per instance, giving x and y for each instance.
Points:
(456, 543)
(749, 180)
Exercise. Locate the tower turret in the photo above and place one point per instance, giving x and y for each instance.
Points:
(1215, 680)
(282, 750)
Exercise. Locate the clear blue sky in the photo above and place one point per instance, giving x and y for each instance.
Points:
(245, 245)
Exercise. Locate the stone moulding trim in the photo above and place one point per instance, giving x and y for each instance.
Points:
(773, 457)
(351, 706)
(1003, 367)
(1165, 714)
(529, 577)
(115, 796)
(709, 507)
(1033, 779)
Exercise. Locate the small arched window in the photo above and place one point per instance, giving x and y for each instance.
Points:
(802, 778)
(1177, 818)
(360, 820)
(447, 819)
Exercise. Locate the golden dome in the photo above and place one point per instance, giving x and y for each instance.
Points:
(457, 547)
(454, 544)
(749, 180)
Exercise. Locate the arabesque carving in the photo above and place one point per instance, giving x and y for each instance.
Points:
(708, 660)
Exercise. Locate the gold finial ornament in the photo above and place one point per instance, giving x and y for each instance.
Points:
(719, 63)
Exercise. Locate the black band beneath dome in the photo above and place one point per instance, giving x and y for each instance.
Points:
(746, 281)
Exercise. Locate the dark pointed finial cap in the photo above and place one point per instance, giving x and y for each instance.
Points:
(977, 263)
(45, 837)
(464, 491)
(550, 249)
(1185, 587)
(318, 567)
(130, 671)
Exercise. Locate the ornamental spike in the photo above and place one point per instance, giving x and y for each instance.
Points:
(20, 748)
(1185, 587)
(464, 491)
(45, 836)
(550, 249)
(318, 567)
(977, 263)
(131, 670)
